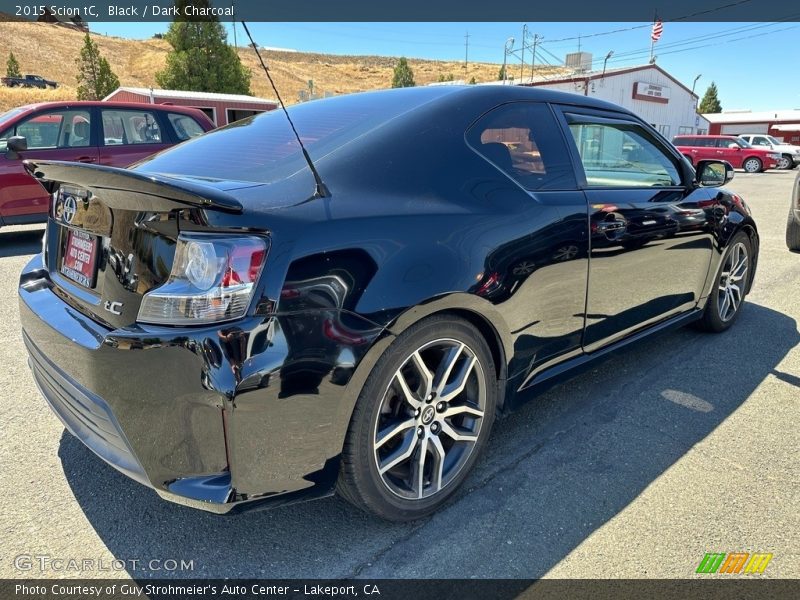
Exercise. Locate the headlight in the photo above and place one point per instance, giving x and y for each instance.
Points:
(212, 279)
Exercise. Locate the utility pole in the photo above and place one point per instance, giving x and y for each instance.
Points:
(466, 53)
(507, 49)
(522, 55)
(233, 10)
(536, 40)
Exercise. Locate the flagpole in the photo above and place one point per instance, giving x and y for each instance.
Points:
(652, 41)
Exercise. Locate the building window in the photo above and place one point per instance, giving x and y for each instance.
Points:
(683, 130)
(663, 130)
(702, 132)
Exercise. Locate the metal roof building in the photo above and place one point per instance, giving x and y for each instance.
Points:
(220, 108)
(782, 124)
(647, 90)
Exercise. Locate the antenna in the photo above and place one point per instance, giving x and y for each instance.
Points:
(321, 190)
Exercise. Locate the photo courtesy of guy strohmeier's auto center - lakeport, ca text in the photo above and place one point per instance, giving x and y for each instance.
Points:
(427, 299)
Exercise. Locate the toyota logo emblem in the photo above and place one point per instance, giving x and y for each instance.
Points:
(69, 208)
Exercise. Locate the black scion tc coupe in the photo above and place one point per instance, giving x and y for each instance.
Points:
(213, 328)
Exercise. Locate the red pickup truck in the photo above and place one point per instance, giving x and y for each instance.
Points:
(732, 149)
(116, 134)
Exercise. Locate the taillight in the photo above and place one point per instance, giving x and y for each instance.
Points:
(212, 279)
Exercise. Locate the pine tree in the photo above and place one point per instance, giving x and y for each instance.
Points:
(472, 81)
(201, 59)
(12, 66)
(710, 102)
(502, 74)
(95, 78)
(403, 75)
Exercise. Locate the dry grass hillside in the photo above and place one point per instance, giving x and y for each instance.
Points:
(50, 51)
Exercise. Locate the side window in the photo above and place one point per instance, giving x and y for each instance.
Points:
(63, 129)
(760, 141)
(125, 127)
(622, 155)
(185, 126)
(522, 140)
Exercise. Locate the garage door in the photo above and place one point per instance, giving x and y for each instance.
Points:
(738, 128)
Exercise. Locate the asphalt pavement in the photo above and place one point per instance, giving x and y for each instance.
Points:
(683, 445)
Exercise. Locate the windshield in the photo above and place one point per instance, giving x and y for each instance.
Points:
(263, 148)
(10, 114)
(743, 143)
(772, 140)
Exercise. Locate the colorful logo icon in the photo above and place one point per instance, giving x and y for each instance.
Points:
(734, 562)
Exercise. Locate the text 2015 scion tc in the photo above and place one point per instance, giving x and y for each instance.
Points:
(215, 328)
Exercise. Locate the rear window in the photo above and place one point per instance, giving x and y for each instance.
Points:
(185, 126)
(263, 148)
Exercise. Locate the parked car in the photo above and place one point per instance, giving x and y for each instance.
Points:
(790, 155)
(729, 148)
(116, 134)
(235, 332)
(793, 222)
(29, 81)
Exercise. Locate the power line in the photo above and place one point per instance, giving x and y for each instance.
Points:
(699, 47)
(632, 28)
(668, 47)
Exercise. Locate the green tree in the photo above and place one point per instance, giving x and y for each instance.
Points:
(448, 77)
(12, 66)
(95, 78)
(403, 75)
(472, 81)
(201, 59)
(501, 75)
(710, 102)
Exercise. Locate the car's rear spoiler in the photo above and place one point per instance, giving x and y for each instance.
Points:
(131, 190)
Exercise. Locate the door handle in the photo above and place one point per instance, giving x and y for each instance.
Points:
(86, 159)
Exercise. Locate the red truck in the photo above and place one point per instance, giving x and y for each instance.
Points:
(732, 149)
(116, 134)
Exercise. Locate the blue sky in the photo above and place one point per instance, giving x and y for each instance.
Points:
(753, 64)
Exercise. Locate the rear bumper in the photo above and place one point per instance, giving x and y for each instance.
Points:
(224, 419)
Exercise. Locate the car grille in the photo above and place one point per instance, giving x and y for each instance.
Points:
(84, 414)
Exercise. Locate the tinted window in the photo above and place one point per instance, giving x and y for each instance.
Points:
(124, 127)
(263, 148)
(682, 141)
(622, 155)
(522, 140)
(58, 129)
(185, 126)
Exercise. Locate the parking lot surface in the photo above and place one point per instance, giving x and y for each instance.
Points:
(683, 445)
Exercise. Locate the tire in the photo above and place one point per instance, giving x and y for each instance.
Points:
(786, 162)
(753, 165)
(381, 473)
(719, 315)
(792, 232)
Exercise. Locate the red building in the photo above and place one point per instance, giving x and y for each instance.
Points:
(220, 108)
(781, 124)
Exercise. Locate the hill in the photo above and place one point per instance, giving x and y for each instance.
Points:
(50, 51)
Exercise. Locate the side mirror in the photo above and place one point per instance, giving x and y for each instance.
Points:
(713, 173)
(14, 145)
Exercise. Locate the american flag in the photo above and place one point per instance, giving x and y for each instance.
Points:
(658, 29)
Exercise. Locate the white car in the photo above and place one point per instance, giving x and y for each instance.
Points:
(790, 155)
